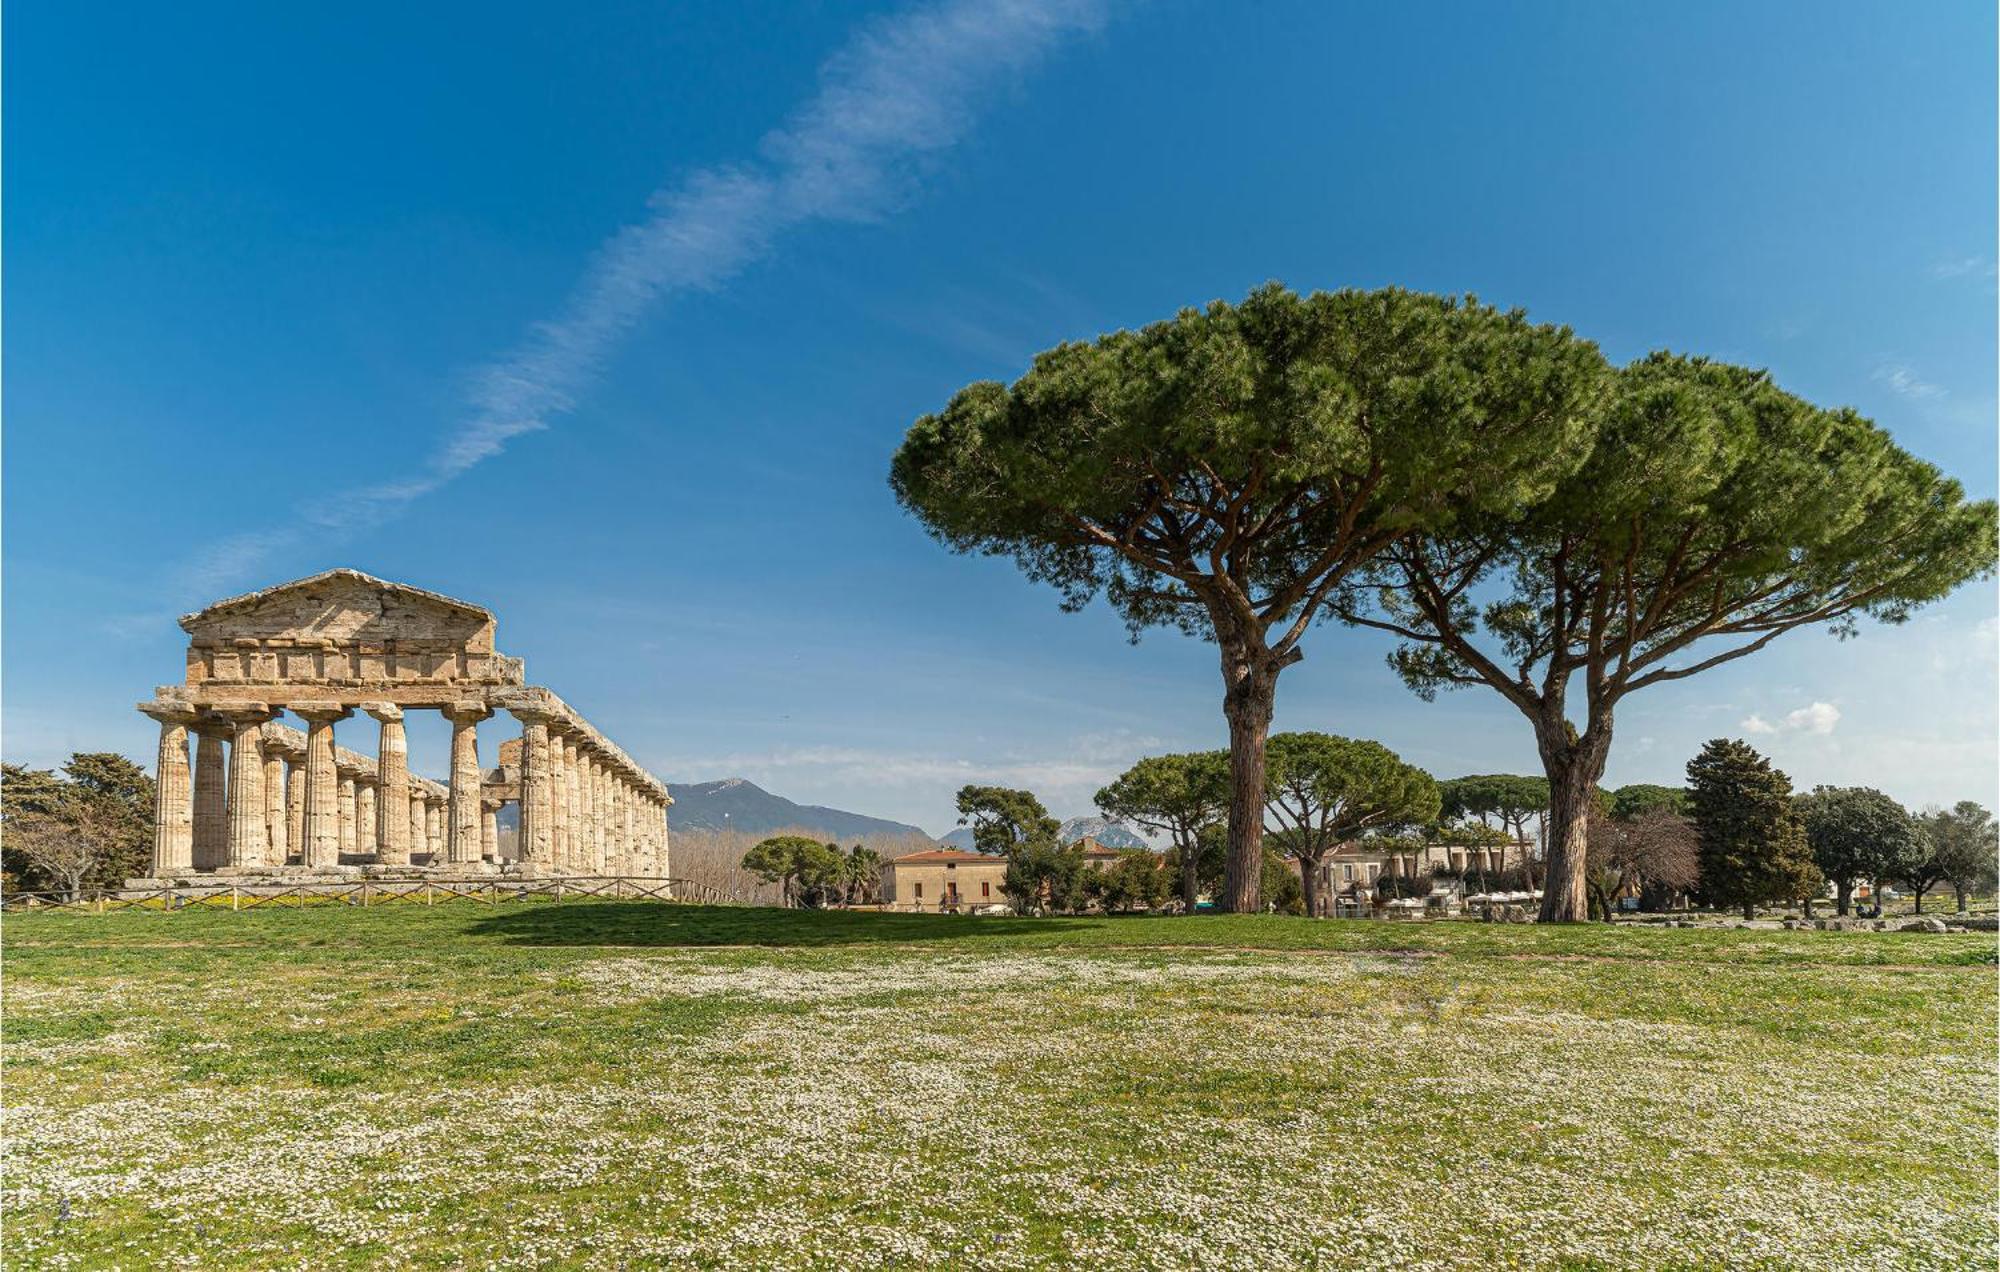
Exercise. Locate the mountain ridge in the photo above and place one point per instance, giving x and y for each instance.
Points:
(736, 803)
(1105, 831)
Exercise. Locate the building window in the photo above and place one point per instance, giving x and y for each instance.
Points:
(1347, 874)
(917, 891)
(985, 889)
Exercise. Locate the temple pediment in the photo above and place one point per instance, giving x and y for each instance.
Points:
(344, 627)
(345, 606)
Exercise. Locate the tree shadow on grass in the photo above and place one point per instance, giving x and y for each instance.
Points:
(649, 923)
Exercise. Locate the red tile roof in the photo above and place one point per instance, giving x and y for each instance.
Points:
(938, 856)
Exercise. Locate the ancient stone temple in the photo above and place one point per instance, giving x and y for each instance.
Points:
(261, 797)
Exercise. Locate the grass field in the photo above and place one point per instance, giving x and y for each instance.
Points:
(611, 1085)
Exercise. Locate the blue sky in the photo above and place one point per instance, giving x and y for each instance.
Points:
(287, 287)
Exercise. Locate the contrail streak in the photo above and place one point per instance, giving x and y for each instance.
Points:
(901, 90)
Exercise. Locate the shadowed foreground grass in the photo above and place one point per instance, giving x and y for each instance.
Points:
(624, 1084)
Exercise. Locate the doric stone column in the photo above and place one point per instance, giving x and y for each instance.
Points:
(434, 828)
(420, 840)
(392, 796)
(587, 787)
(627, 814)
(489, 828)
(621, 827)
(173, 790)
(276, 834)
(642, 832)
(347, 774)
(462, 835)
(663, 855)
(319, 840)
(295, 810)
(247, 828)
(367, 831)
(211, 793)
(537, 834)
(573, 803)
(607, 805)
(601, 795)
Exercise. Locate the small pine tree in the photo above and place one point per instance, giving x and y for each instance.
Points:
(1753, 845)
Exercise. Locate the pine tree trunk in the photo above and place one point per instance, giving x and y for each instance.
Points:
(1573, 768)
(1247, 703)
(1191, 874)
(1309, 886)
(1843, 896)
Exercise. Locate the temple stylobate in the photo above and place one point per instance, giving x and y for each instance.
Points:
(260, 797)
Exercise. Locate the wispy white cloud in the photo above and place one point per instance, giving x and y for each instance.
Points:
(1964, 267)
(1902, 379)
(1818, 718)
(902, 90)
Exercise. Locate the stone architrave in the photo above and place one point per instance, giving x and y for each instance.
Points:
(462, 835)
(211, 793)
(319, 844)
(245, 795)
(173, 790)
(537, 833)
(392, 797)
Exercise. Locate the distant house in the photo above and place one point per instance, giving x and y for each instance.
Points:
(950, 879)
(1099, 856)
(1353, 869)
(944, 879)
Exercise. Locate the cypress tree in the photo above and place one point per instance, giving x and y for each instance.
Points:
(1753, 844)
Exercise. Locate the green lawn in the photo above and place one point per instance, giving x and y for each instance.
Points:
(621, 1084)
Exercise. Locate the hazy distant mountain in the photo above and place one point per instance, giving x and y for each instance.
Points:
(736, 804)
(1105, 831)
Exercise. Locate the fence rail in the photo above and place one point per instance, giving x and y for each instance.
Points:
(369, 892)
